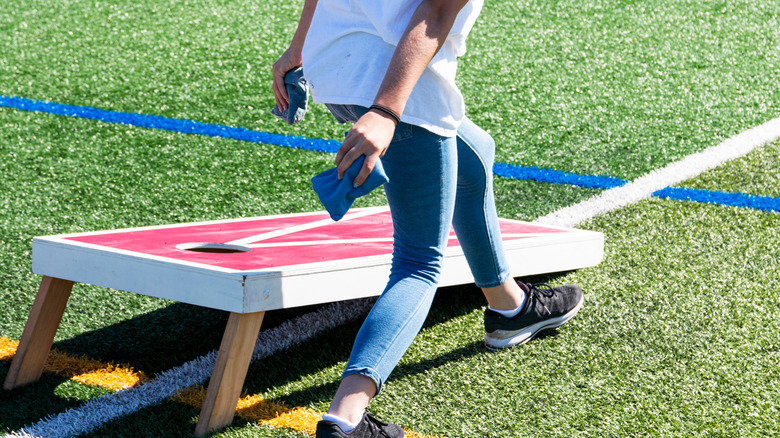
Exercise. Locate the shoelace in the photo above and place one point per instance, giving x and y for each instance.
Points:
(376, 426)
(534, 288)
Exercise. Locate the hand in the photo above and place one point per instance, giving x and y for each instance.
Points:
(290, 59)
(369, 136)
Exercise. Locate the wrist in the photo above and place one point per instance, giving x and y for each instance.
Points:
(296, 45)
(387, 112)
(294, 52)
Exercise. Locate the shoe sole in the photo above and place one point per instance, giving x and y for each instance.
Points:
(501, 339)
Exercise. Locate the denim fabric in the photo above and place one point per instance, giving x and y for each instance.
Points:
(475, 220)
(298, 92)
(434, 181)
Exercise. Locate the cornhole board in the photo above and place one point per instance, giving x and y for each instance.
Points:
(249, 266)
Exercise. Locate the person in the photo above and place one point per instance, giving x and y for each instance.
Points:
(389, 68)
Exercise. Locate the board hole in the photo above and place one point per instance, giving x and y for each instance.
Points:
(214, 248)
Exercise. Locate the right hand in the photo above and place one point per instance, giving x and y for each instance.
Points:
(369, 136)
(290, 59)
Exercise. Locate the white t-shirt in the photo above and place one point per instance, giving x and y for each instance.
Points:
(348, 49)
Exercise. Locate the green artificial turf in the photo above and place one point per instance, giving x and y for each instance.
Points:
(620, 87)
(528, 200)
(195, 60)
(678, 333)
(596, 87)
(758, 173)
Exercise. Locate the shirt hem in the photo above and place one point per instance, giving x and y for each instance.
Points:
(412, 120)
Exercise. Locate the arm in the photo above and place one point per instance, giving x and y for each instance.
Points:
(371, 134)
(291, 58)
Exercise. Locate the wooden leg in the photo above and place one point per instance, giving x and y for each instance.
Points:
(229, 373)
(38, 334)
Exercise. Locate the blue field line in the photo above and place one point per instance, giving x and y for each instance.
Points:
(168, 124)
(764, 203)
(504, 170)
(510, 171)
(534, 173)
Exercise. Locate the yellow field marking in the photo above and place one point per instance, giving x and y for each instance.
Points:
(81, 369)
(96, 373)
(8, 348)
(267, 413)
(256, 408)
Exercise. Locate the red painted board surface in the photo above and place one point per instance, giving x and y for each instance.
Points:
(276, 241)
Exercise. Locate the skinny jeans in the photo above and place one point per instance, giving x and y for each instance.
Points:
(435, 183)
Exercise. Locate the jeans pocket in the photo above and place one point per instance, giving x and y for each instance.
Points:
(403, 131)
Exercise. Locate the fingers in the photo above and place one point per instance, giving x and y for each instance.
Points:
(369, 136)
(365, 171)
(280, 90)
(345, 156)
(353, 149)
(289, 60)
(343, 150)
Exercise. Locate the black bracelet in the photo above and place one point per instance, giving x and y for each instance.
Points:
(387, 111)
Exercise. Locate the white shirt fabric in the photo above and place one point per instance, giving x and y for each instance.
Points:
(348, 49)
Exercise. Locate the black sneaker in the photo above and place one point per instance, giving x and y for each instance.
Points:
(545, 307)
(369, 427)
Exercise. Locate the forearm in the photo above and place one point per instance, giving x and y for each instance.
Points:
(291, 58)
(303, 26)
(371, 134)
(428, 29)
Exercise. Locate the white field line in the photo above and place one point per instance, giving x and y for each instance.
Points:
(674, 173)
(320, 223)
(321, 242)
(96, 412)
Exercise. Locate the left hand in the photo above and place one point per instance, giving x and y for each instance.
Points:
(289, 60)
(369, 136)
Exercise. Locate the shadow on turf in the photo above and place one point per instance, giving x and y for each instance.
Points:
(167, 337)
(162, 339)
(287, 366)
(152, 343)
(28, 404)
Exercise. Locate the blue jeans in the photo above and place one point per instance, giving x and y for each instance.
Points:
(435, 182)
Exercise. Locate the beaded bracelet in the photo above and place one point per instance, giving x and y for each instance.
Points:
(387, 111)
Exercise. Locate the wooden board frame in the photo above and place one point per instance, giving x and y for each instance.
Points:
(246, 294)
(250, 291)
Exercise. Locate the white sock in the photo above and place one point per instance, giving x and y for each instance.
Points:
(511, 312)
(345, 425)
